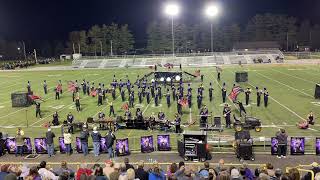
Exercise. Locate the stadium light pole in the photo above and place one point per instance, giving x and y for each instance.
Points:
(211, 11)
(172, 10)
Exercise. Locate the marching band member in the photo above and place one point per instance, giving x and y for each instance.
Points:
(227, 113)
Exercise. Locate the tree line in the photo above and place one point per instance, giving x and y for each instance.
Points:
(116, 39)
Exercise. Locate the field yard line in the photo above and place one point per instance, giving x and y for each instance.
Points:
(17, 111)
(62, 108)
(284, 84)
(281, 104)
(294, 76)
(190, 116)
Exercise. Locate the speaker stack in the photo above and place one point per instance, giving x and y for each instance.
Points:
(317, 92)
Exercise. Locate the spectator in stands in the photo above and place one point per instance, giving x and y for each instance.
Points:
(171, 170)
(96, 136)
(34, 174)
(123, 172)
(45, 173)
(126, 162)
(140, 173)
(131, 174)
(14, 169)
(223, 175)
(10, 176)
(235, 175)
(248, 173)
(155, 173)
(204, 172)
(294, 174)
(63, 169)
(285, 177)
(317, 176)
(109, 143)
(278, 173)
(116, 173)
(50, 139)
(108, 168)
(67, 141)
(24, 170)
(19, 142)
(99, 174)
(4, 171)
(220, 166)
(83, 170)
(270, 170)
(315, 168)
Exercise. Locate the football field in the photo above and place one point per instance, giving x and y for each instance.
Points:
(291, 89)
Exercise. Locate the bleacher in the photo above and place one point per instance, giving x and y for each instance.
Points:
(191, 60)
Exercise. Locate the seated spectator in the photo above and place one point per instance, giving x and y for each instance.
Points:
(4, 171)
(83, 170)
(45, 173)
(285, 176)
(34, 174)
(126, 162)
(235, 175)
(108, 169)
(64, 168)
(123, 172)
(278, 173)
(248, 173)
(204, 172)
(264, 176)
(294, 174)
(116, 173)
(155, 173)
(131, 174)
(24, 170)
(220, 166)
(171, 170)
(99, 174)
(315, 168)
(223, 175)
(64, 176)
(140, 173)
(10, 176)
(270, 170)
(317, 176)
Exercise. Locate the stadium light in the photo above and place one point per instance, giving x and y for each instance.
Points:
(211, 11)
(172, 10)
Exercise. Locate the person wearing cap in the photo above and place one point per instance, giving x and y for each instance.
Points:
(96, 137)
(50, 139)
(315, 168)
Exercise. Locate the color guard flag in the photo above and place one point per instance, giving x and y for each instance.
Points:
(184, 102)
(236, 90)
(34, 97)
(125, 106)
(71, 86)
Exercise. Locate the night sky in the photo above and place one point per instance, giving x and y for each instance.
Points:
(53, 19)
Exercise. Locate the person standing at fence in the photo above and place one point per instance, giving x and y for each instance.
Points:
(84, 140)
(110, 138)
(19, 142)
(282, 138)
(50, 139)
(67, 138)
(96, 136)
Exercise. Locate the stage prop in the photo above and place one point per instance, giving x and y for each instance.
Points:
(241, 77)
(20, 99)
(213, 126)
(103, 146)
(194, 146)
(317, 92)
(122, 147)
(40, 145)
(248, 124)
(163, 143)
(11, 146)
(274, 146)
(147, 144)
(297, 145)
(317, 146)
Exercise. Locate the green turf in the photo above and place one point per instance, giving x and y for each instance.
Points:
(291, 89)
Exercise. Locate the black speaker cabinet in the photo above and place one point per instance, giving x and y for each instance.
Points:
(245, 151)
(317, 92)
(241, 77)
(202, 151)
(20, 99)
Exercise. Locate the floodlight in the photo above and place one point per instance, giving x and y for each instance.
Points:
(168, 79)
(211, 10)
(172, 9)
(178, 78)
(162, 79)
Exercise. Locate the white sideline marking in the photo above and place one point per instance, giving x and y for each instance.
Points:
(296, 69)
(284, 84)
(294, 76)
(190, 116)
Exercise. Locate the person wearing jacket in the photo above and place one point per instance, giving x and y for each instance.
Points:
(109, 143)
(84, 135)
(96, 137)
(19, 142)
(50, 138)
(67, 141)
(282, 138)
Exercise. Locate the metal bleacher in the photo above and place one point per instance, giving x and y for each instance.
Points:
(211, 59)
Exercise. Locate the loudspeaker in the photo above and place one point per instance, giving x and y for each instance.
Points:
(241, 76)
(245, 151)
(201, 150)
(20, 99)
(317, 92)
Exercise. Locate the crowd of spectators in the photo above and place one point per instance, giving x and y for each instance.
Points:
(126, 171)
(17, 64)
